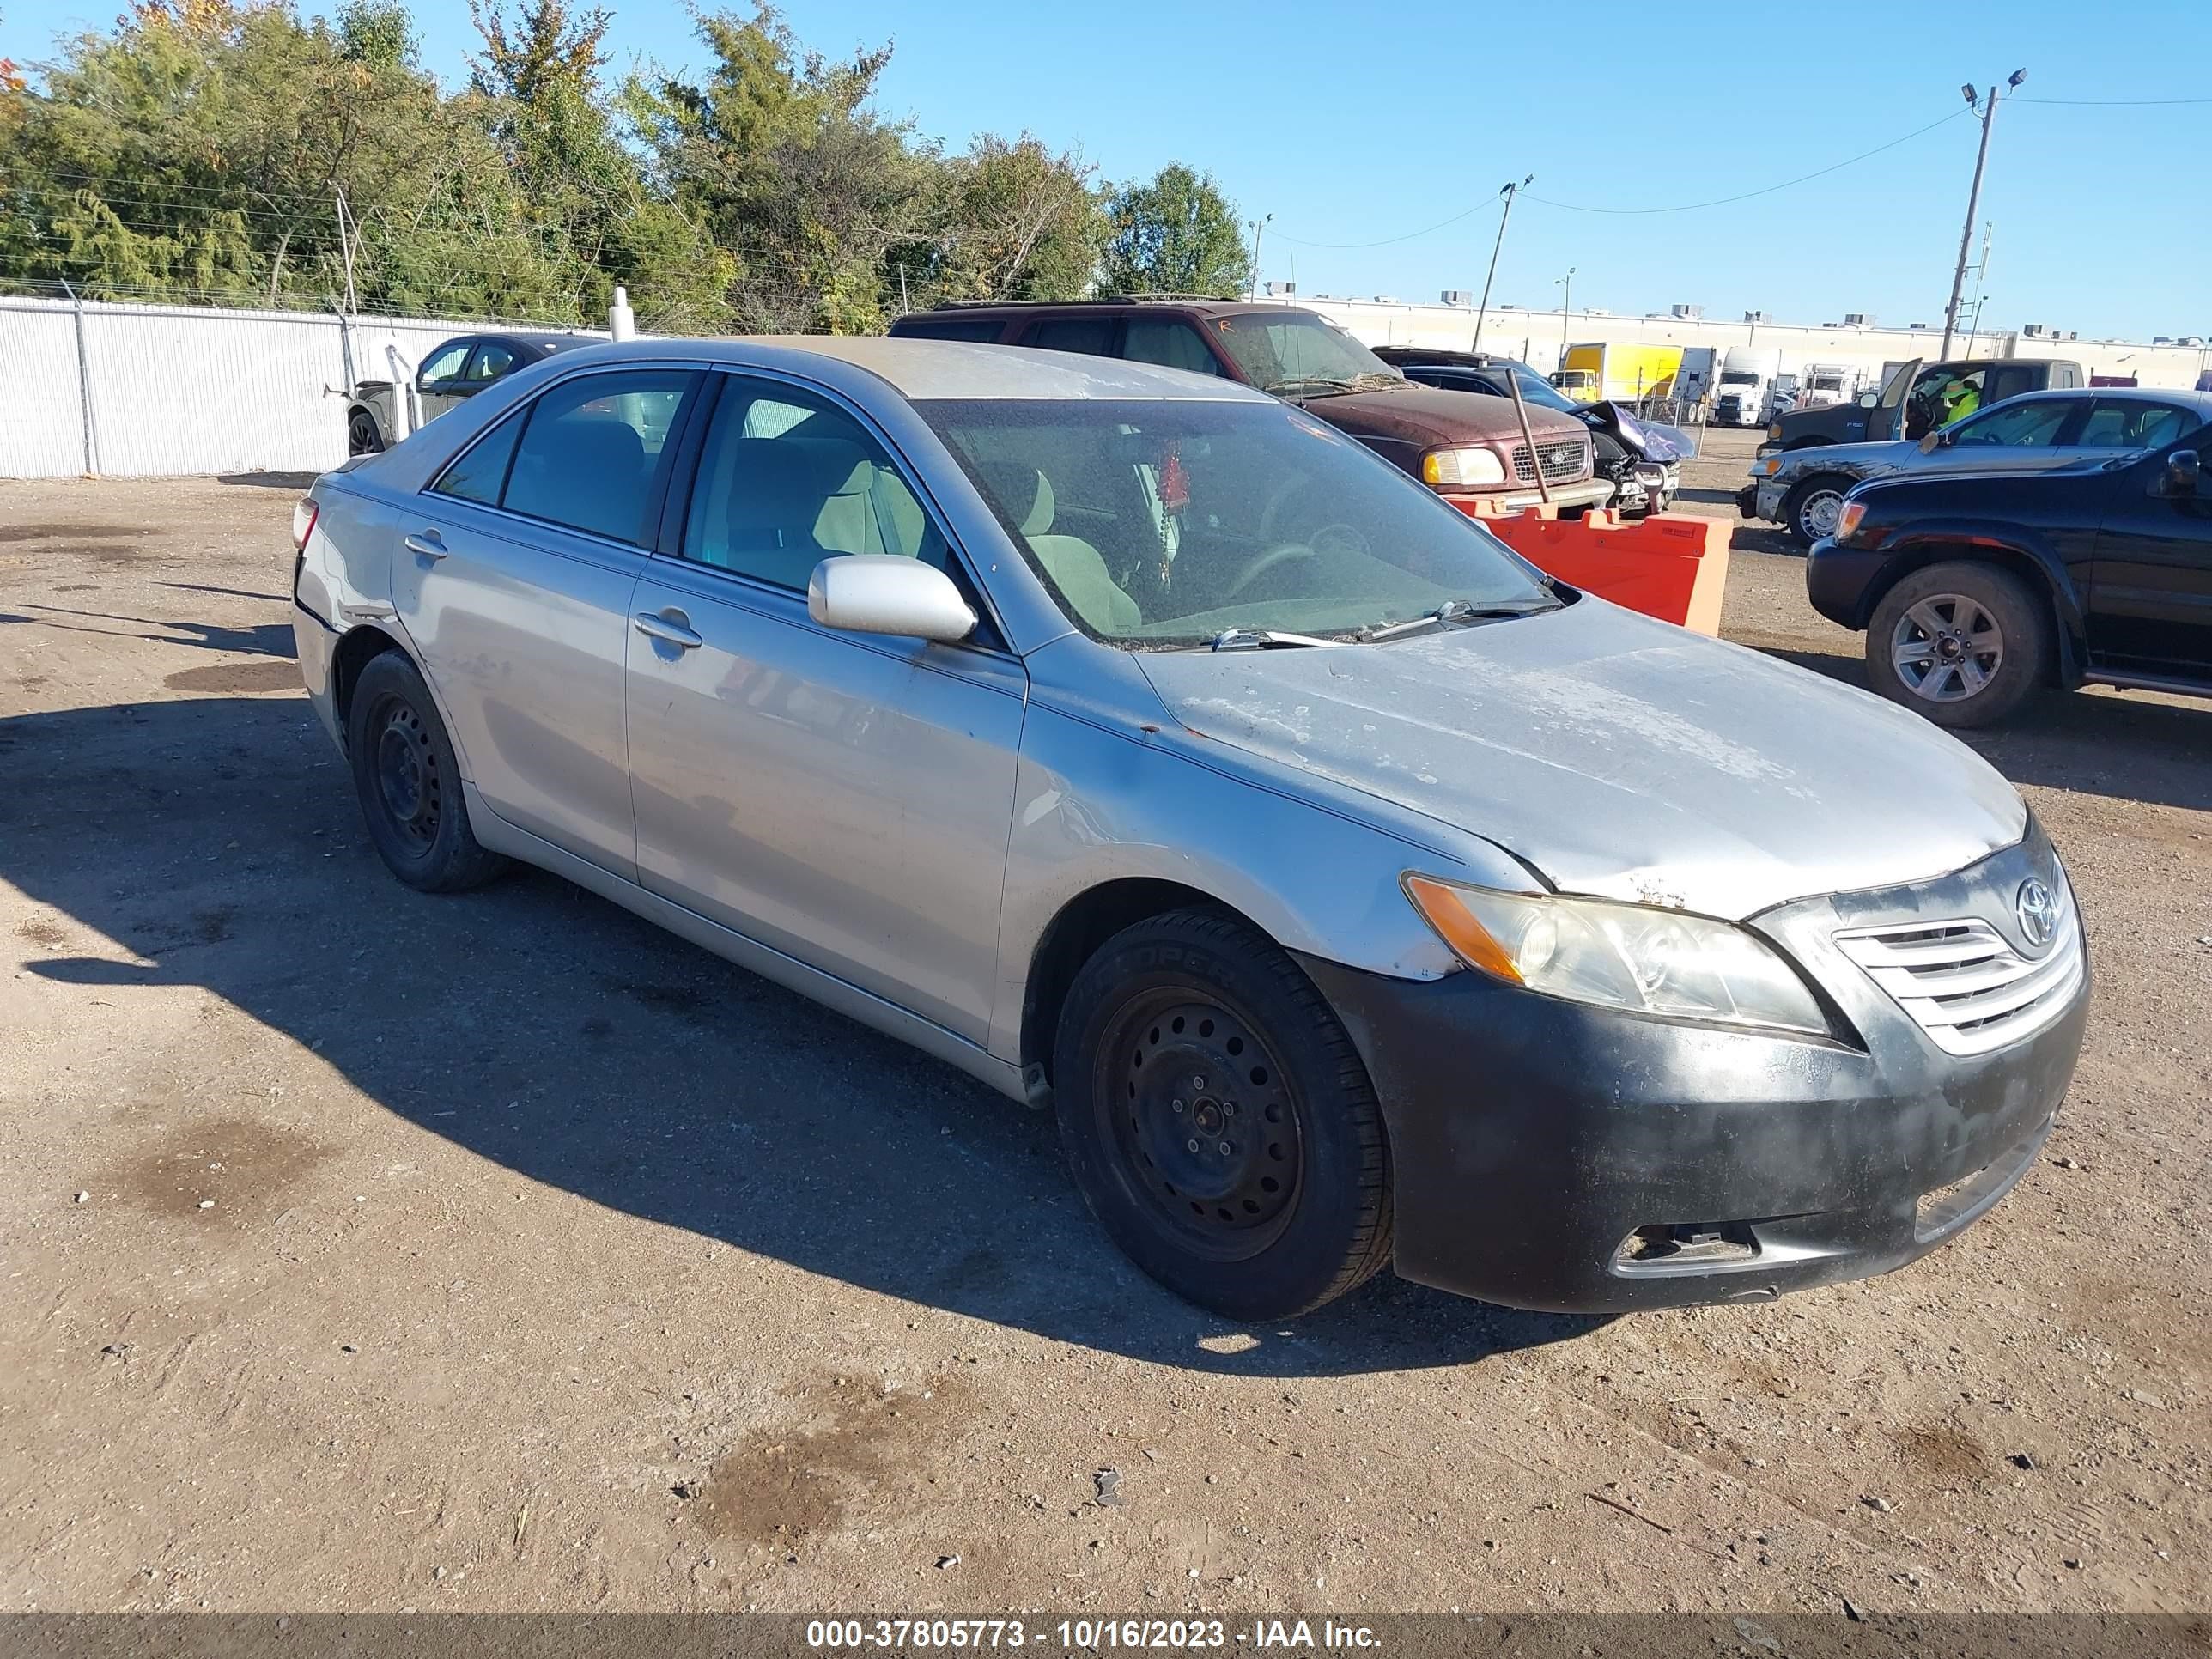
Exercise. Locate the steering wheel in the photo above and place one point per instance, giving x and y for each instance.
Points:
(1329, 537)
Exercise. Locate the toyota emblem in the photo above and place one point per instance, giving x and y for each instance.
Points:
(2037, 907)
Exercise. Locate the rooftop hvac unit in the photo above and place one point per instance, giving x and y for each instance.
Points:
(1689, 313)
(2033, 330)
(1855, 319)
(1757, 317)
(1922, 326)
(2161, 339)
(1386, 298)
(1456, 296)
(1282, 290)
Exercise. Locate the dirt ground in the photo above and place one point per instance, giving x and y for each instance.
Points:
(370, 1251)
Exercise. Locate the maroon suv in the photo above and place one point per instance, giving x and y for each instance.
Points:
(1457, 442)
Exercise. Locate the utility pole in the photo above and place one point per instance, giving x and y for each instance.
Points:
(1566, 304)
(345, 246)
(1259, 224)
(1509, 192)
(1973, 204)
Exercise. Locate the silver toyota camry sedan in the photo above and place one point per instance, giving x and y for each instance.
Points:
(1353, 893)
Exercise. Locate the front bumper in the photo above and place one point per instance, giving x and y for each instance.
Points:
(1768, 502)
(1838, 581)
(1531, 1137)
(1590, 492)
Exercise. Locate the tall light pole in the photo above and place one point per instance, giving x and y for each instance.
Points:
(1566, 304)
(1973, 204)
(1258, 225)
(1509, 192)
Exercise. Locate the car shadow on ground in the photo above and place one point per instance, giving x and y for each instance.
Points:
(259, 640)
(216, 842)
(2125, 746)
(297, 481)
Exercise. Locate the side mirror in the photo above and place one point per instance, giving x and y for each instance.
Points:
(884, 593)
(2183, 475)
(1934, 442)
(1869, 400)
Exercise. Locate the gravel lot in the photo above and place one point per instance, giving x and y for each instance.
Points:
(371, 1251)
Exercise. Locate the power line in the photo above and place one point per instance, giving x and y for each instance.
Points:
(2112, 103)
(1388, 240)
(1767, 190)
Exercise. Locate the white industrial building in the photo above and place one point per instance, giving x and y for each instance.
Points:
(1537, 337)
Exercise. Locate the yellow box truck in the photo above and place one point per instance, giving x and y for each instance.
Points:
(1603, 371)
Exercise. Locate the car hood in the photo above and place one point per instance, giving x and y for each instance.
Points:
(1617, 756)
(1430, 415)
(1870, 457)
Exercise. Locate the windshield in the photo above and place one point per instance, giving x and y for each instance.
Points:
(1827, 383)
(1536, 389)
(1163, 523)
(1575, 377)
(1297, 350)
(1739, 377)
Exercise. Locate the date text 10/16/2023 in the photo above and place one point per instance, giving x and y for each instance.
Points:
(1083, 1635)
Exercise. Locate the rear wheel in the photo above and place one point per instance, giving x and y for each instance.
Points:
(1814, 506)
(361, 436)
(1963, 643)
(1218, 1120)
(410, 785)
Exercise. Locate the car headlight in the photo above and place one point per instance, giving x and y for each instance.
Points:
(1635, 958)
(1450, 469)
(1774, 431)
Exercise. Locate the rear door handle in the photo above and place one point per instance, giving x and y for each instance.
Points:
(426, 545)
(668, 628)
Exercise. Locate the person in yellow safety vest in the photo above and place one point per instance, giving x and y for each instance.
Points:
(1960, 399)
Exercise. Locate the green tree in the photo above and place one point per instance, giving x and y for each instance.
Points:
(1174, 234)
(1013, 221)
(778, 154)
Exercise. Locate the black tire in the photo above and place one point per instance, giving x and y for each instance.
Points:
(410, 787)
(1808, 513)
(1298, 1211)
(361, 436)
(2010, 659)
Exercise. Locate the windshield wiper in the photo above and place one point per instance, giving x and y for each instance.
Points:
(1327, 386)
(1455, 610)
(1261, 639)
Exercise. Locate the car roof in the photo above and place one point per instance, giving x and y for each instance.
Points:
(924, 370)
(1209, 305)
(2199, 401)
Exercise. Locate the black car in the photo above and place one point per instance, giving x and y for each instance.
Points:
(1977, 590)
(452, 371)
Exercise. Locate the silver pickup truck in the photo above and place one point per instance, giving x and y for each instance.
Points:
(454, 372)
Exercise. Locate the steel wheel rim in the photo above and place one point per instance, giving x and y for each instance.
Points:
(407, 783)
(1817, 517)
(1202, 1121)
(1946, 648)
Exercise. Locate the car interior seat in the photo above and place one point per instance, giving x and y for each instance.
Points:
(1077, 567)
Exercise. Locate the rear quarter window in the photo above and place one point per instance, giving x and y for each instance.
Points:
(978, 331)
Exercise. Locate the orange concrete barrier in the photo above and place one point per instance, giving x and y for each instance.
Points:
(1673, 566)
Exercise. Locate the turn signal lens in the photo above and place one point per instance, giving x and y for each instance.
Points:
(1848, 520)
(304, 510)
(1636, 957)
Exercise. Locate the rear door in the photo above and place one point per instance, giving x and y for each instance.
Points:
(513, 583)
(2150, 581)
(842, 797)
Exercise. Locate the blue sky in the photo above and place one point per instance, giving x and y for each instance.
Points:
(1357, 124)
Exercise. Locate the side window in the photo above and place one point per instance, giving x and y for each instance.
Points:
(980, 330)
(786, 480)
(2029, 425)
(1169, 342)
(477, 474)
(2115, 424)
(491, 361)
(591, 453)
(444, 364)
(1093, 335)
(2010, 383)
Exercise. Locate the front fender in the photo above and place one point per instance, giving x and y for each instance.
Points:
(2019, 546)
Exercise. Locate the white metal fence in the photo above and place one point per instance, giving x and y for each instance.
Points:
(136, 390)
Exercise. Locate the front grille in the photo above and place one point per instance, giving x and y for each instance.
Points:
(1563, 462)
(1729, 409)
(1964, 983)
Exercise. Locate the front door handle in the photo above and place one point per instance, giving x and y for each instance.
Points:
(426, 545)
(668, 626)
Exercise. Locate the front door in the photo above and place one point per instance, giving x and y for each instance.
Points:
(438, 387)
(513, 582)
(2150, 584)
(842, 797)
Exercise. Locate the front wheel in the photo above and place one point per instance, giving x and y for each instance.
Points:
(1963, 643)
(1218, 1120)
(1812, 509)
